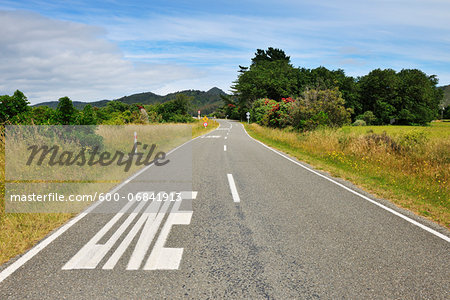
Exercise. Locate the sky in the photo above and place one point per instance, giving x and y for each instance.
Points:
(91, 50)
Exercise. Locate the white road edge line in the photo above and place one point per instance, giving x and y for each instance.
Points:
(224, 147)
(233, 189)
(44, 243)
(432, 231)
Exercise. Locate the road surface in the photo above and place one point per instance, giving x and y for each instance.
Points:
(254, 225)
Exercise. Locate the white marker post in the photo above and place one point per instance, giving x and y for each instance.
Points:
(248, 117)
(199, 115)
(135, 142)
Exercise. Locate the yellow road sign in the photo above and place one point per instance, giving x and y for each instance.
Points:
(205, 119)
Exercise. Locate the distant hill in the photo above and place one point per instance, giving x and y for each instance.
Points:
(206, 102)
(446, 89)
(77, 104)
(144, 98)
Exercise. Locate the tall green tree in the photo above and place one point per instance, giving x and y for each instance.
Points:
(11, 106)
(445, 112)
(175, 110)
(407, 97)
(182, 104)
(379, 94)
(43, 115)
(87, 116)
(66, 111)
(116, 106)
(270, 75)
(420, 97)
(271, 54)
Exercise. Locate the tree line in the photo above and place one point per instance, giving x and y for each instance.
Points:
(16, 109)
(329, 97)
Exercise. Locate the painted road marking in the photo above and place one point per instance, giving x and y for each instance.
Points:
(146, 238)
(432, 231)
(146, 216)
(92, 253)
(233, 189)
(224, 147)
(47, 241)
(148, 234)
(162, 258)
(211, 137)
(226, 137)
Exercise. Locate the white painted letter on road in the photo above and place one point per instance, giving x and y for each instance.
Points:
(92, 253)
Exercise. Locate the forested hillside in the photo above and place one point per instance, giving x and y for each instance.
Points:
(15, 109)
(206, 102)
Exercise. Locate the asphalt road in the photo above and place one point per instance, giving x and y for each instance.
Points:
(282, 232)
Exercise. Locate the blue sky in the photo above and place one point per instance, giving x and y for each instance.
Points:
(92, 50)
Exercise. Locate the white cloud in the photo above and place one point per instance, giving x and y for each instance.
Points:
(234, 31)
(369, 29)
(48, 59)
(356, 39)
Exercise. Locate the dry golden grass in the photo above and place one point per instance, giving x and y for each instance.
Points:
(408, 165)
(198, 129)
(20, 231)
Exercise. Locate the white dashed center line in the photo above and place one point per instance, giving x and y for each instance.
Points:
(233, 189)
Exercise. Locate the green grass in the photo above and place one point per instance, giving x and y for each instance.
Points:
(408, 165)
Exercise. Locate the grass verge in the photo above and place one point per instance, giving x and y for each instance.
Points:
(410, 166)
(20, 231)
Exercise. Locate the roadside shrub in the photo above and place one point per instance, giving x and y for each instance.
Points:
(383, 140)
(314, 109)
(178, 118)
(272, 113)
(414, 140)
(320, 108)
(367, 117)
(115, 118)
(261, 108)
(154, 117)
(359, 123)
